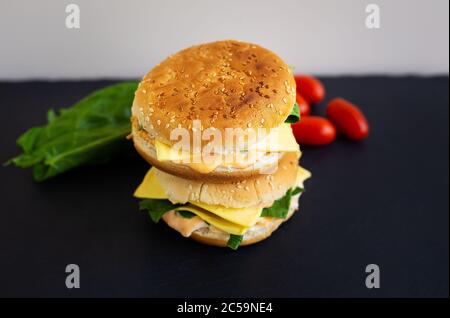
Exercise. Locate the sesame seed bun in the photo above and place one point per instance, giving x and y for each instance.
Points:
(261, 190)
(212, 236)
(225, 84)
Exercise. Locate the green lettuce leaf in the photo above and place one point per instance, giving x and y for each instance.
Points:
(294, 115)
(280, 207)
(234, 241)
(186, 214)
(156, 207)
(297, 190)
(90, 131)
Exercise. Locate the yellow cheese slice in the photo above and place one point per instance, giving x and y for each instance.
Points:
(214, 220)
(280, 140)
(302, 175)
(203, 167)
(230, 220)
(243, 216)
(150, 188)
(167, 153)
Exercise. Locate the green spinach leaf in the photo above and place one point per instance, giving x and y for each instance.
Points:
(234, 241)
(186, 214)
(90, 131)
(156, 207)
(294, 115)
(280, 207)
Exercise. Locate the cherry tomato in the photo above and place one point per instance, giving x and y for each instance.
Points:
(348, 119)
(310, 88)
(303, 105)
(314, 131)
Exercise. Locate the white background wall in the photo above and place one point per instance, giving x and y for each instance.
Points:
(126, 38)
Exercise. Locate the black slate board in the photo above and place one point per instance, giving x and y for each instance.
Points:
(383, 201)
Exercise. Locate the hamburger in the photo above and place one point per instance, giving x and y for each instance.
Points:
(213, 121)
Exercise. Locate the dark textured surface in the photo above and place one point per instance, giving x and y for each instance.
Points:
(383, 201)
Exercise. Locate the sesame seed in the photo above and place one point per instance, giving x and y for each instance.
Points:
(249, 125)
(262, 120)
(284, 100)
(167, 125)
(144, 91)
(247, 188)
(158, 122)
(151, 126)
(172, 120)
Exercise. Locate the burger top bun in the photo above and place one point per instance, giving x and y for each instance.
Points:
(225, 84)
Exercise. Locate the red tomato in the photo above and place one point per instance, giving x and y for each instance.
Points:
(310, 88)
(303, 105)
(348, 119)
(314, 131)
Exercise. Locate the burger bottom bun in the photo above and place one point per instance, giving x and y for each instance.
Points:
(260, 231)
